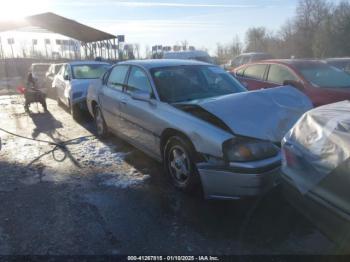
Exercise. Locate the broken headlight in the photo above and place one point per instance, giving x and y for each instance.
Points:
(244, 150)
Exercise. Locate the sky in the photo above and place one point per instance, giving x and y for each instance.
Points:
(203, 23)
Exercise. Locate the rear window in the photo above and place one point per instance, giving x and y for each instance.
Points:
(40, 68)
(261, 57)
(255, 71)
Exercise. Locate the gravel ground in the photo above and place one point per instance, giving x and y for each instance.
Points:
(106, 197)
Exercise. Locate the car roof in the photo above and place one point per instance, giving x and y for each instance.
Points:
(87, 63)
(254, 53)
(154, 63)
(186, 53)
(34, 64)
(292, 62)
(334, 59)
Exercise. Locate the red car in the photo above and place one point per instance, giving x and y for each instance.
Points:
(322, 83)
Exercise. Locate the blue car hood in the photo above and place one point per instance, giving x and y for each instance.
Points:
(265, 114)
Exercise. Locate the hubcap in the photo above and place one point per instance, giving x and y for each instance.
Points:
(99, 122)
(179, 164)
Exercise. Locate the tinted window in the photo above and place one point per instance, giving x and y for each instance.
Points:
(186, 83)
(236, 61)
(117, 77)
(255, 71)
(66, 72)
(323, 75)
(278, 74)
(245, 60)
(343, 65)
(138, 81)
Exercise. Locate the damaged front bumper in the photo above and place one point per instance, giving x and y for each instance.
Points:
(238, 180)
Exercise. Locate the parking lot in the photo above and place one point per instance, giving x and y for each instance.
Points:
(107, 197)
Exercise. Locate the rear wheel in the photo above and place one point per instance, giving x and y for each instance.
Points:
(179, 164)
(100, 123)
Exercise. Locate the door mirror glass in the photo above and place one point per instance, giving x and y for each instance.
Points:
(66, 77)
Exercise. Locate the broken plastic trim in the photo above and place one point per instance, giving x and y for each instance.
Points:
(202, 114)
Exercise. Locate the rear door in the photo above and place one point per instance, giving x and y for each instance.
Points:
(111, 96)
(253, 77)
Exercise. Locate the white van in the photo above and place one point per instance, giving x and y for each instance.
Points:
(189, 55)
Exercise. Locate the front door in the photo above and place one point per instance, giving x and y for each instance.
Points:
(111, 96)
(139, 116)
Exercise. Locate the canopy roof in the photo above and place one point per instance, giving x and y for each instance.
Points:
(60, 25)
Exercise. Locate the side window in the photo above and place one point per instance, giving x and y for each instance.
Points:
(236, 62)
(255, 71)
(278, 74)
(62, 70)
(117, 76)
(66, 71)
(138, 81)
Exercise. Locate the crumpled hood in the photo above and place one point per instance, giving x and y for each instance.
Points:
(265, 114)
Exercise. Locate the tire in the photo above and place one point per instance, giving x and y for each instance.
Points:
(74, 111)
(101, 127)
(179, 164)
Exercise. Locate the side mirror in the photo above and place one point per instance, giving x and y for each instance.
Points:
(66, 77)
(141, 96)
(297, 84)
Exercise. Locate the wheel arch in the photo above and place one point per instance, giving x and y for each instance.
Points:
(93, 106)
(170, 132)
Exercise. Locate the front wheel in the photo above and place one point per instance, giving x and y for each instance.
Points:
(100, 123)
(179, 165)
(74, 111)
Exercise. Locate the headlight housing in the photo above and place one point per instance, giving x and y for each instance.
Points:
(245, 150)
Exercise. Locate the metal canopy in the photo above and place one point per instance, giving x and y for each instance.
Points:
(60, 25)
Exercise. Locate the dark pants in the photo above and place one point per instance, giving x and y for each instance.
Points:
(34, 96)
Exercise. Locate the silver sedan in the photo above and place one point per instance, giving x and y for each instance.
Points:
(199, 121)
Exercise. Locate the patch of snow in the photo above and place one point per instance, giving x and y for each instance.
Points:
(92, 152)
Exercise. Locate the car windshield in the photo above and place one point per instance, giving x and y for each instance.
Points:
(344, 65)
(323, 75)
(91, 71)
(40, 68)
(186, 83)
(206, 59)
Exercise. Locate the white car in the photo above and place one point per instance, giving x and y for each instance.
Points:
(72, 82)
(38, 71)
